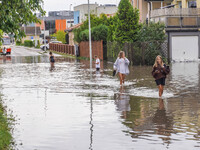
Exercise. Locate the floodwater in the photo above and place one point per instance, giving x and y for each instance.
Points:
(69, 108)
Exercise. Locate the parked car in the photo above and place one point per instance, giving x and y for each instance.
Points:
(47, 45)
(6, 46)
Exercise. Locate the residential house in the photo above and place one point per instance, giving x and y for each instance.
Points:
(71, 33)
(182, 25)
(32, 33)
(81, 11)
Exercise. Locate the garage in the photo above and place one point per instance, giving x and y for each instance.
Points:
(185, 48)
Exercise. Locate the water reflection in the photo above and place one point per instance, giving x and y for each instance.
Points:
(163, 123)
(122, 102)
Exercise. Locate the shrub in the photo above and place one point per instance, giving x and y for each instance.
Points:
(60, 36)
(28, 43)
(84, 35)
(100, 33)
(18, 42)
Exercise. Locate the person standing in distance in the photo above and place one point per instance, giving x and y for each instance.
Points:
(52, 60)
(121, 66)
(97, 63)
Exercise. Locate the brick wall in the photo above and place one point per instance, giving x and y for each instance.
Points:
(97, 49)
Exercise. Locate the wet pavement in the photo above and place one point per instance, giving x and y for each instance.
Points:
(69, 108)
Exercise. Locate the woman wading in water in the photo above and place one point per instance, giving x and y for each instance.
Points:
(160, 72)
(121, 66)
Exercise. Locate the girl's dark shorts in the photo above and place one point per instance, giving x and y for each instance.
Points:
(160, 81)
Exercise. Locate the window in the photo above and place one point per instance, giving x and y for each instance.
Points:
(179, 4)
(192, 4)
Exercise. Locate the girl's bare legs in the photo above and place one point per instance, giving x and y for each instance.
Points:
(160, 87)
(121, 78)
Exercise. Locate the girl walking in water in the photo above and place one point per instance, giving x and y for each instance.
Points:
(121, 66)
(160, 72)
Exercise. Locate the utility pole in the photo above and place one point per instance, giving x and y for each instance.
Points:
(35, 35)
(45, 48)
(70, 15)
(90, 42)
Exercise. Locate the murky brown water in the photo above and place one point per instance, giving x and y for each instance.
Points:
(62, 109)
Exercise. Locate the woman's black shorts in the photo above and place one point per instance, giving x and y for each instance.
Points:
(160, 81)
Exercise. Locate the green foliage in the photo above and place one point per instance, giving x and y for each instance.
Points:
(152, 32)
(1, 34)
(60, 36)
(100, 33)
(28, 43)
(16, 12)
(111, 27)
(18, 42)
(5, 135)
(127, 25)
(84, 35)
(95, 21)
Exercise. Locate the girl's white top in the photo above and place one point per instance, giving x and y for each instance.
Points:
(121, 65)
(97, 63)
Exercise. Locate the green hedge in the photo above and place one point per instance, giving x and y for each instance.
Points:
(18, 43)
(98, 33)
(28, 43)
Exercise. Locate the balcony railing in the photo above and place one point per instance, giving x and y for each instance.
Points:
(175, 12)
(173, 18)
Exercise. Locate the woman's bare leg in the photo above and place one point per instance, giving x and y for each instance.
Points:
(121, 78)
(160, 90)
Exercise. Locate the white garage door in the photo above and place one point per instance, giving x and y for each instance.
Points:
(185, 48)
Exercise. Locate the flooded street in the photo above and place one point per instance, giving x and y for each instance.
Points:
(67, 109)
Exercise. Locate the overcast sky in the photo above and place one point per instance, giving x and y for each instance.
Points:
(52, 5)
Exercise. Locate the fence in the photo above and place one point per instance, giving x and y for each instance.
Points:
(139, 53)
(62, 48)
(97, 49)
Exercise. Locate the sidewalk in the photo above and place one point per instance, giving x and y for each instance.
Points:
(33, 49)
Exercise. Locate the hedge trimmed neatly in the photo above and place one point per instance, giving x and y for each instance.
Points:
(98, 33)
(28, 43)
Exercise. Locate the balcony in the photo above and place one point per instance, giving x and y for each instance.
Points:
(177, 18)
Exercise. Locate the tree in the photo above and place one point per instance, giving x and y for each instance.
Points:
(60, 36)
(14, 13)
(1, 34)
(111, 23)
(127, 26)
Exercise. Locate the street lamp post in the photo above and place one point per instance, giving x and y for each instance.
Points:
(70, 15)
(90, 43)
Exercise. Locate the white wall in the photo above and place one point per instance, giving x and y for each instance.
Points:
(106, 10)
(83, 9)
